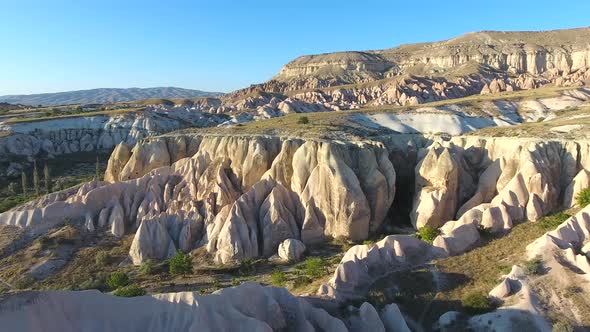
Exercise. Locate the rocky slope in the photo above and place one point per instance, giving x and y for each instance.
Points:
(242, 196)
(249, 306)
(104, 96)
(53, 137)
(532, 53)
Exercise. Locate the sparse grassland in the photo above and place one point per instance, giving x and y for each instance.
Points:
(429, 291)
(76, 114)
(66, 171)
(343, 125)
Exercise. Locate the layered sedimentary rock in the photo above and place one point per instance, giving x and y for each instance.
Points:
(534, 53)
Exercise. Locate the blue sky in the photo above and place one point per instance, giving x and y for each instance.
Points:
(49, 46)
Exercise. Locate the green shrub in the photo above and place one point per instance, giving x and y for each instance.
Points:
(554, 220)
(485, 233)
(534, 266)
(129, 291)
(301, 280)
(147, 268)
(217, 284)
(314, 267)
(303, 120)
(235, 282)
(247, 267)
(476, 303)
(102, 258)
(181, 264)
(583, 198)
(117, 279)
(428, 233)
(278, 278)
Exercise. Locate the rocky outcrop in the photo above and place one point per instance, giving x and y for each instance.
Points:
(363, 264)
(242, 195)
(502, 181)
(53, 137)
(249, 306)
(437, 188)
(291, 250)
(533, 53)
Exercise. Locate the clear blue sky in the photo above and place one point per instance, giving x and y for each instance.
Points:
(49, 46)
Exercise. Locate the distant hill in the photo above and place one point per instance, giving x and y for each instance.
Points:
(104, 96)
(10, 107)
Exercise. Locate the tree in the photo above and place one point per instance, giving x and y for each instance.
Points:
(13, 188)
(97, 171)
(47, 177)
(181, 264)
(23, 177)
(35, 178)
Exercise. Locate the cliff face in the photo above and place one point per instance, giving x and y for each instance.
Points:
(250, 192)
(242, 196)
(533, 53)
(50, 138)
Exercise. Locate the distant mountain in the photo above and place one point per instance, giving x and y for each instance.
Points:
(104, 96)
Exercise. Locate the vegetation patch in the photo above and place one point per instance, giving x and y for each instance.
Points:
(583, 198)
(278, 278)
(533, 266)
(129, 291)
(554, 220)
(314, 267)
(103, 258)
(477, 303)
(117, 279)
(181, 264)
(428, 233)
(303, 120)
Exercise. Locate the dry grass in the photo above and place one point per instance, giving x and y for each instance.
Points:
(77, 115)
(578, 116)
(478, 270)
(340, 125)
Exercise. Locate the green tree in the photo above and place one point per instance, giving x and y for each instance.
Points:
(117, 279)
(13, 188)
(129, 291)
(181, 263)
(583, 198)
(303, 120)
(23, 177)
(97, 171)
(35, 178)
(47, 178)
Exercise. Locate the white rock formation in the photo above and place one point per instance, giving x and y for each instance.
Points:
(363, 264)
(248, 307)
(291, 250)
